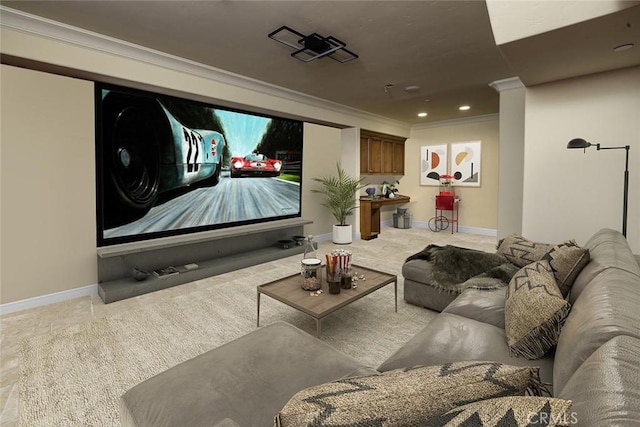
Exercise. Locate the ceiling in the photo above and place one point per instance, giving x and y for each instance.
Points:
(444, 48)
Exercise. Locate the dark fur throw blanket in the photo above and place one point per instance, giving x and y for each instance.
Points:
(453, 269)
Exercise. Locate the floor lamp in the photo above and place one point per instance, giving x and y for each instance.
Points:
(581, 143)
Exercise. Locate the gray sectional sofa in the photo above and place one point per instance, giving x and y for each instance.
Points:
(596, 363)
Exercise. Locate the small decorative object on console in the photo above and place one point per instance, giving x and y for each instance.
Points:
(371, 191)
(285, 244)
(298, 239)
(139, 275)
(389, 190)
(164, 272)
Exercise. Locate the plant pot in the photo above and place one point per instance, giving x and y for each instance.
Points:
(342, 234)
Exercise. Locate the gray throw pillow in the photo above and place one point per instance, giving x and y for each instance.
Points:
(405, 397)
(534, 311)
(512, 411)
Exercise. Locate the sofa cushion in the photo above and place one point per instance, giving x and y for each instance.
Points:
(608, 307)
(521, 251)
(534, 311)
(404, 396)
(608, 250)
(482, 305)
(450, 338)
(512, 411)
(566, 260)
(424, 295)
(248, 380)
(605, 389)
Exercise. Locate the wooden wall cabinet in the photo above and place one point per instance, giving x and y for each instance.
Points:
(381, 154)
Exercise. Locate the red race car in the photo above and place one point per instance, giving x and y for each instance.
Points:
(255, 164)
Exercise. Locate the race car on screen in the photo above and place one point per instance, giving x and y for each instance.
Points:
(255, 164)
(146, 151)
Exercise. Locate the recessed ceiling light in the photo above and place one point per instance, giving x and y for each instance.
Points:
(464, 108)
(412, 88)
(422, 114)
(623, 47)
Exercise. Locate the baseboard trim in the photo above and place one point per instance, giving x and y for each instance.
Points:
(12, 307)
(462, 229)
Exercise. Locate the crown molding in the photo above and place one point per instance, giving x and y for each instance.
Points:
(35, 25)
(507, 84)
(456, 122)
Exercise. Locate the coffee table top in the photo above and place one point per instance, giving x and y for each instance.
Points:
(289, 291)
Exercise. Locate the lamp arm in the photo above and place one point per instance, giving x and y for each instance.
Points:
(626, 147)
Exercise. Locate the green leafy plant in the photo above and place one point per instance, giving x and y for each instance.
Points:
(340, 192)
(389, 188)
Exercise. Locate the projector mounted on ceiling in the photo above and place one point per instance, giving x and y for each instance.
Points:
(313, 46)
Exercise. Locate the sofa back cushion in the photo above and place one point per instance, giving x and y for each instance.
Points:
(605, 390)
(607, 308)
(608, 249)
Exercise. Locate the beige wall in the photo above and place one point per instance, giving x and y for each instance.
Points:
(569, 194)
(48, 186)
(478, 206)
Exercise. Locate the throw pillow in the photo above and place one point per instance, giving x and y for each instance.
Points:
(405, 397)
(534, 311)
(567, 260)
(521, 251)
(512, 411)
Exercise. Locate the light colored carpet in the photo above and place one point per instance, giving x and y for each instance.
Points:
(76, 376)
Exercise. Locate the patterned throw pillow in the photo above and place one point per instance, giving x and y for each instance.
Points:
(521, 251)
(567, 260)
(512, 411)
(534, 311)
(405, 396)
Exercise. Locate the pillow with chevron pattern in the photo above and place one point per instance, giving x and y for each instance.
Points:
(534, 311)
(405, 397)
(521, 251)
(566, 260)
(512, 411)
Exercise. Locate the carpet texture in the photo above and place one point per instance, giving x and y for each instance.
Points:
(75, 377)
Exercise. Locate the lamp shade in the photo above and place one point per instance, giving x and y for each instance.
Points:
(578, 143)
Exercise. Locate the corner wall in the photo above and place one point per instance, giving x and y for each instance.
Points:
(568, 193)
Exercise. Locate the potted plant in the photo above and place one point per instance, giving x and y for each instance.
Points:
(341, 197)
(389, 190)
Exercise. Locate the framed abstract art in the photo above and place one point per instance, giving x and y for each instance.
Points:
(465, 163)
(433, 163)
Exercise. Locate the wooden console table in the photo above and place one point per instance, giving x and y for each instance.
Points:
(370, 214)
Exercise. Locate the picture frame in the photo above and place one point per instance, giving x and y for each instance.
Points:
(465, 163)
(433, 163)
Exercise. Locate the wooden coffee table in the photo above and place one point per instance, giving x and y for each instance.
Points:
(289, 291)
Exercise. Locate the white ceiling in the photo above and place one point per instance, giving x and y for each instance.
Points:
(444, 47)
